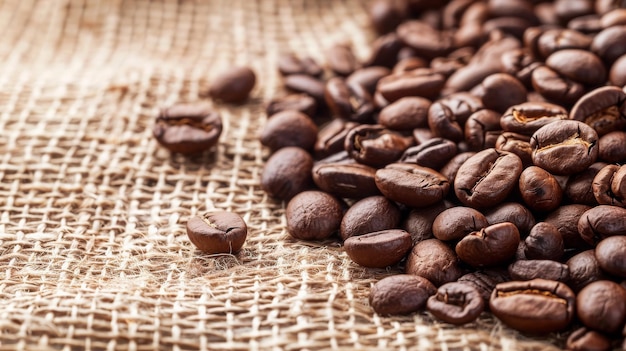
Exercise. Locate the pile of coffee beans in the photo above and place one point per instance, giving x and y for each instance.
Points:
(480, 149)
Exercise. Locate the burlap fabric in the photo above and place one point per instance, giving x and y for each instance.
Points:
(94, 253)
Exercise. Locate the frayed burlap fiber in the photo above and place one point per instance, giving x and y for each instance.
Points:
(93, 249)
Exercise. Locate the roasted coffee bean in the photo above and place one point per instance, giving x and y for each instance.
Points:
(456, 303)
(609, 44)
(609, 185)
(331, 137)
(422, 82)
(447, 116)
(385, 51)
(424, 39)
(433, 153)
(289, 128)
(578, 188)
(370, 214)
(410, 64)
(412, 185)
(583, 270)
(233, 85)
(556, 87)
(611, 255)
(501, 90)
(544, 243)
(584, 339)
(485, 281)
(536, 306)
(519, 63)
(217, 232)
(385, 15)
(305, 84)
(419, 222)
(457, 222)
(612, 147)
(450, 169)
(378, 249)
(405, 114)
(553, 40)
(313, 215)
(601, 306)
(617, 73)
(422, 135)
(512, 212)
(447, 65)
(400, 294)
(490, 246)
(589, 24)
(600, 222)
(434, 261)
(517, 144)
(567, 10)
(603, 109)
(346, 180)
(539, 189)
(287, 172)
(341, 60)
(565, 219)
(487, 178)
(482, 129)
(544, 269)
(368, 77)
(289, 64)
(578, 65)
(376, 146)
(297, 102)
(564, 148)
(188, 128)
(350, 102)
(528, 117)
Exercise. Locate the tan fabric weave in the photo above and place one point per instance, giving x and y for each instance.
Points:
(93, 249)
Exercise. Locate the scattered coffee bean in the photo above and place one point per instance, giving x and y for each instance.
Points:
(400, 294)
(490, 246)
(434, 261)
(601, 306)
(544, 269)
(378, 249)
(217, 232)
(289, 128)
(287, 172)
(611, 255)
(583, 339)
(313, 215)
(233, 85)
(371, 214)
(188, 128)
(456, 303)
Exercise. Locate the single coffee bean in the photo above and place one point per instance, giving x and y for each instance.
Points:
(450, 169)
(512, 212)
(564, 148)
(376, 146)
(601, 306)
(617, 73)
(556, 87)
(385, 51)
(405, 114)
(485, 281)
(424, 39)
(370, 214)
(385, 15)
(589, 24)
(368, 77)
(609, 185)
(378, 249)
(331, 137)
(482, 129)
(544, 243)
(287, 172)
(565, 219)
(433, 153)
(544, 269)
(490, 246)
(447, 116)
(612, 147)
(422, 82)
(536, 306)
(501, 90)
(412, 185)
(233, 85)
(341, 60)
(578, 188)
(611, 255)
(217, 232)
(289, 64)
(289, 128)
(456, 303)
(584, 339)
(568, 10)
(540, 189)
(600, 222)
(346, 180)
(553, 40)
(457, 222)
(434, 261)
(602, 108)
(297, 102)
(583, 270)
(419, 222)
(612, 15)
(487, 178)
(609, 44)
(305, 84)
(187, 128)
(400, 294)
(517, 144)
(350, 102)
(313, 215)
(527, 117)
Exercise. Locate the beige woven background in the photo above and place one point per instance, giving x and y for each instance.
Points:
(93, 250)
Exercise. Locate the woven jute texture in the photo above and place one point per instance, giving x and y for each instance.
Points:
(93, 249)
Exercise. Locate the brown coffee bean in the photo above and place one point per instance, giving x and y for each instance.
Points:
(297, 102)
(527, 117)
(341, 60)
(412, 185)
(405, 114)
(539, 189)
(289, 64)
(456, 303)
(601, 222)
(434, 261)
(433, 153)
(217, 232)
(579, 186)
(611, 255)
(544, 243)
(447, 116)
(609, 186)
(419, 222)
(305, 84)
(313, 215)
(617, 73)
(553, 40)
(424, 39)
(583, 339)
(565, 219)
(544, 269)
(385, 51)
(368, 77)
(188, 128)
(490, 246)
(331, 137)
(612, 147)
(378, 249)
(512, 212)
(374, 145)
(289, 128)
(450, 169)
(287, 172)
(370, 214)
(501, 90)
(603, 109)
(457, 222)
(536, 306)
(350, 102)
(520, 63)
(517, 144)
(422, 82)
(583, 270)
(385, 15)
(233, 85)
(400, 294)
(484, 281)
(482, 129)
(609, 43)
(556, 87)
(601, 306)
(346, 180)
